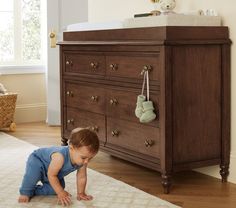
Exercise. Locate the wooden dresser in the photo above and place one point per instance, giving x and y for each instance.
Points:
(189, 71)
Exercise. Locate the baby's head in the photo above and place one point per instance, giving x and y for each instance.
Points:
(84, 145)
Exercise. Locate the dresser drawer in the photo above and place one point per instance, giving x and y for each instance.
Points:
(132, 136)
(84, 63)
(121, 104)
(85, 97)
(74, 118)
(131, 66)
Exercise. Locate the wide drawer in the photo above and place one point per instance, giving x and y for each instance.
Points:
(85, 97)
(84, 63)
(132, 66)
(129, 136)
(74, 118)
(121, 104)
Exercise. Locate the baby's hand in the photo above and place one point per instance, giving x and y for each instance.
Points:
(64, 198)
(83, 196)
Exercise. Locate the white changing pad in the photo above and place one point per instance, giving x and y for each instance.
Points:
(86, 26)
(151, 21)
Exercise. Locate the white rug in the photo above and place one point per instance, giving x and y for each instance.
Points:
(107, 192)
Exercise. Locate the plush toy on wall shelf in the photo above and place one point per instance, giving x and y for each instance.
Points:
(167, 6)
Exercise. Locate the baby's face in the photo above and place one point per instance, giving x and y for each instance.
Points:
(81, 156)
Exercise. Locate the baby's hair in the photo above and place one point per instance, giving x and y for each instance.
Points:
(84, 137)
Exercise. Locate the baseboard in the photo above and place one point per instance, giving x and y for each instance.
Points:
(30, 112)
(214, 170)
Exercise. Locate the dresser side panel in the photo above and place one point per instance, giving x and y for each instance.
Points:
(196, 103)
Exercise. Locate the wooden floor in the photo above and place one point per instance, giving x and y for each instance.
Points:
(190, 189)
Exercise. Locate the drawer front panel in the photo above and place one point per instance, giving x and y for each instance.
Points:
(85, 97)
(132, 136)
(84, 63)
(74, 118)
(121, 104)
(132, 66)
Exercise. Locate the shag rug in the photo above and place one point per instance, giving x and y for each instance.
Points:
(107, 192)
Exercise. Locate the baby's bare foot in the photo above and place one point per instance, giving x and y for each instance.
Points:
(23, 199)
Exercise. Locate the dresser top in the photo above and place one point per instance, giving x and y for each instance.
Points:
(167, 33)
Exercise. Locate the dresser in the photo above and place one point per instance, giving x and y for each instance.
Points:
(189, 71)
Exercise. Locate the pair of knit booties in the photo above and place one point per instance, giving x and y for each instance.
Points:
(144, 110)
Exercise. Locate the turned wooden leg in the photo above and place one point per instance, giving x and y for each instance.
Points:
(166, 182)
(64, 142)
(224, 172)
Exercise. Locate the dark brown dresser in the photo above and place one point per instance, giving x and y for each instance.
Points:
(189, 71)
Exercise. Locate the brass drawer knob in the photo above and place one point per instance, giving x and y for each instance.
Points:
(146, 68)
(115, 133)
(94, 128)
(70, 121)
(69, 93)
(94, 65)
(94, 98)
(69, 63)
(148, 143)
(113, 67)
(113, 101)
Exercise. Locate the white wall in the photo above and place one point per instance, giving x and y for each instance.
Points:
(73, 11)
(109, 10)
(31, 99)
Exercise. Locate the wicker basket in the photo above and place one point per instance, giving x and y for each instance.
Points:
(7, 110)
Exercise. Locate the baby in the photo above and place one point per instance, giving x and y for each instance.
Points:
(50, 165)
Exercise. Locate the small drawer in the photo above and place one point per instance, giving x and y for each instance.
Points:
(132, 136)
(128, 66)
(85, 97)
(84, 63)
(74, 118)
(121, 104)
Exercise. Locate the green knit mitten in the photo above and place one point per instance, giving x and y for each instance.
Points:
(139, 105)
(148, 115)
